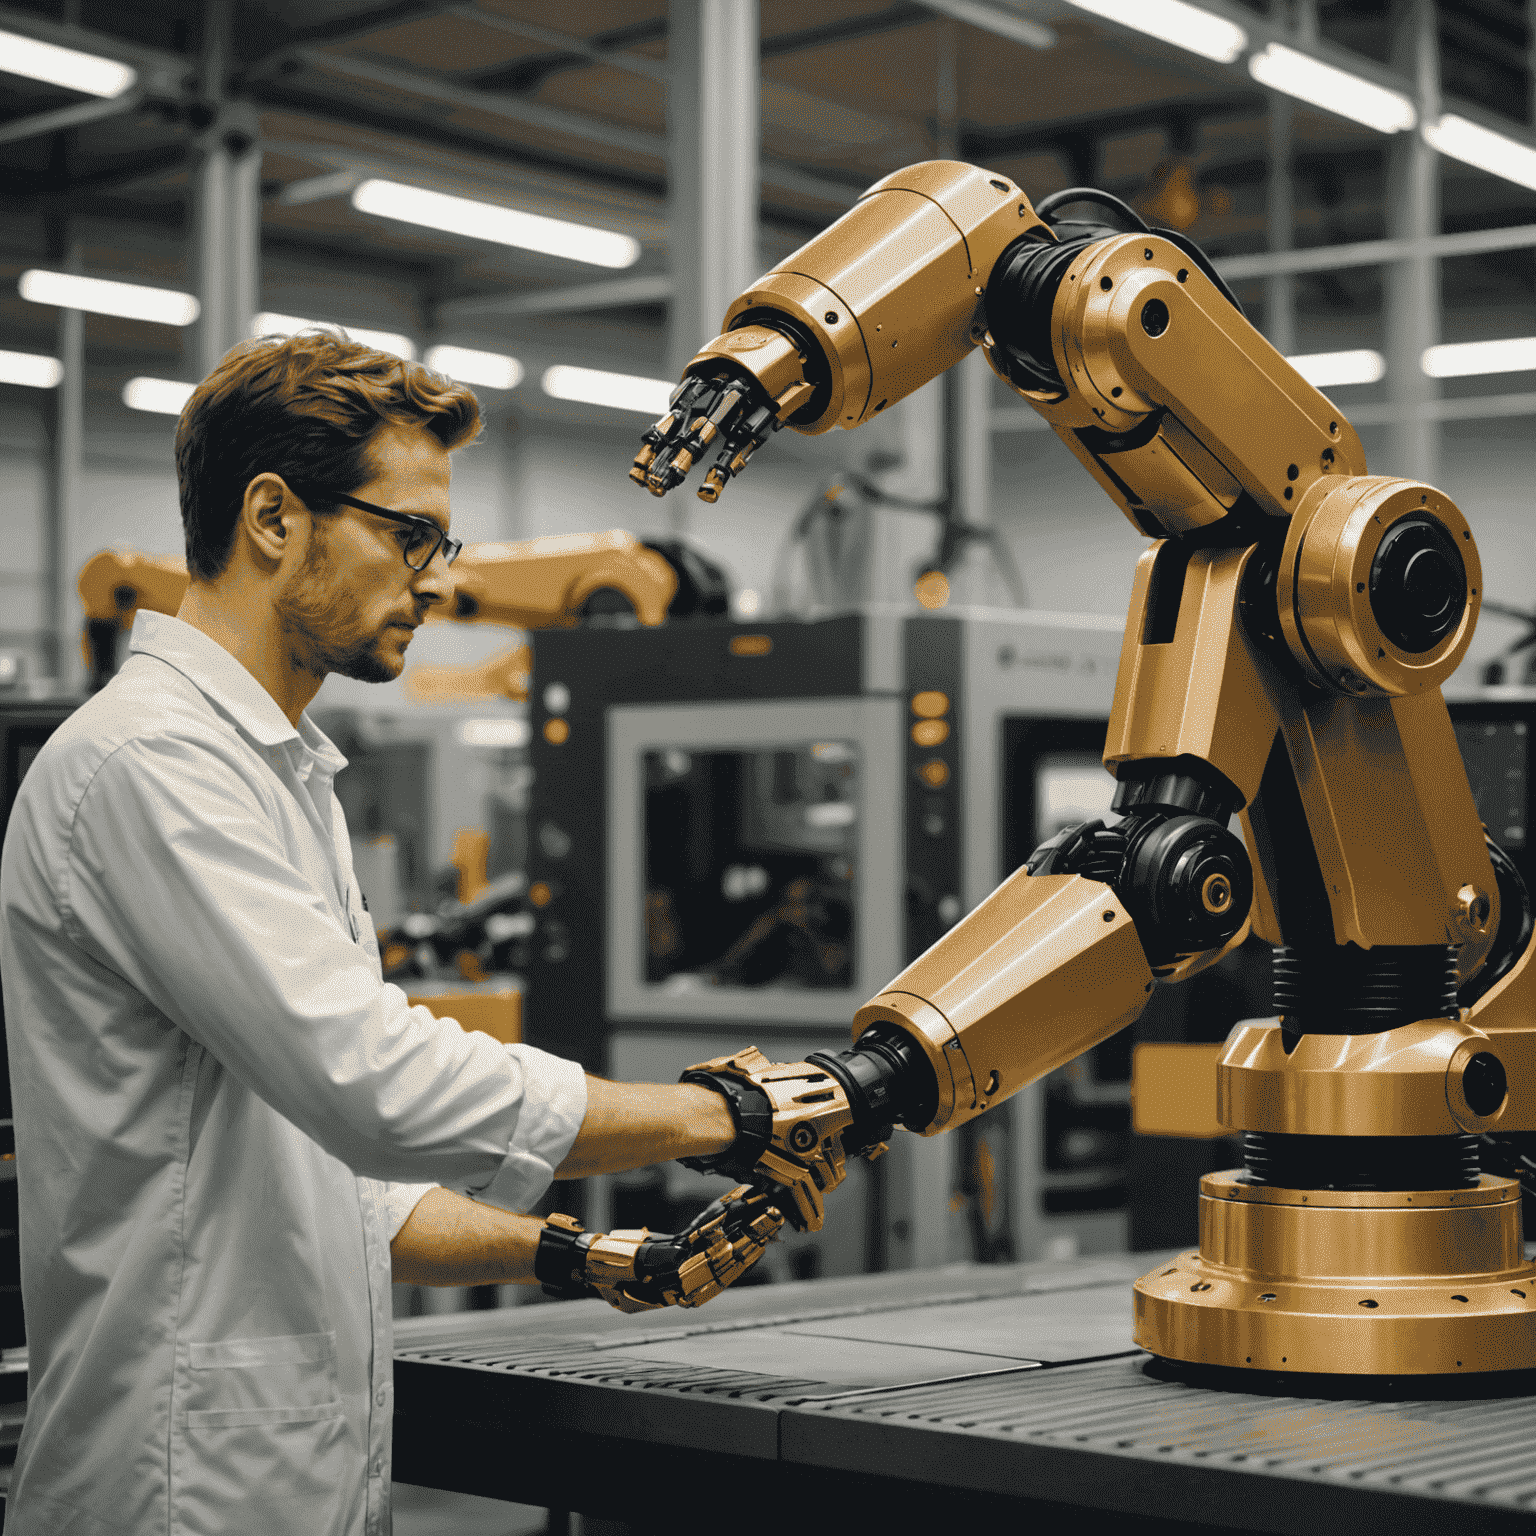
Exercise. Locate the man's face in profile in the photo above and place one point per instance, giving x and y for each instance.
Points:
(356, 603)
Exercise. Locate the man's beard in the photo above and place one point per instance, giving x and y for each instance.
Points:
(314, 614)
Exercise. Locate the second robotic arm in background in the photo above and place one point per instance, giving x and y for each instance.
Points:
(536, 584)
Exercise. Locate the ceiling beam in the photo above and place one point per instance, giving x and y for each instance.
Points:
(576, 125)
(1374, 253)
(581, 49)
(77, 115)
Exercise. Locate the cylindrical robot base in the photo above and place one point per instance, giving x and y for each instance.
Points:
(1345, 1282)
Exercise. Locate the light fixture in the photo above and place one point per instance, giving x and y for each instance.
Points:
(165, 397)
(488, 221)
(1325, 370)
(1488, 151)
(493, 731)
(1173, 21)
(1334, 90)
(490, 370)
(128, 301)
(87, 73)
(1515, 354)
(266, 324)
(31, 369)
(622, 391)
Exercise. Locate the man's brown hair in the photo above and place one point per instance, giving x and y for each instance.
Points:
(304, 407)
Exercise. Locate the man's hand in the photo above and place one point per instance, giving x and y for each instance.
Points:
(638, 1271)
(789, 1127)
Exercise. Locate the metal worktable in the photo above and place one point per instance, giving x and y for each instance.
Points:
(960, 1395)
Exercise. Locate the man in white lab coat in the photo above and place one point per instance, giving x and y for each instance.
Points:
(231, 1133)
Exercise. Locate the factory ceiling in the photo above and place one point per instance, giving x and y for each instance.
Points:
(563, 110)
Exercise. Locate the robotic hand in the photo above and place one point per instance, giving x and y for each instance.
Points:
(639, 1271)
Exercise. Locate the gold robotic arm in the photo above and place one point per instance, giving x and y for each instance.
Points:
(1288, 634)
(542, 583)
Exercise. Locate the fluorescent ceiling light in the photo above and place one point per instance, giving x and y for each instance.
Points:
(623, 391)
(75, 71)
(491, 370)
(384, 341)
(987, 18)
(31, 369)
(1325, 369)
(504, 226)
(1517, 354)
(1487, 150)
(165, 397)
(1334, 90)
(1172, 21)
(129, 301)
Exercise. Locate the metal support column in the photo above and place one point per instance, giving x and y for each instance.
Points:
(226, 208)
(64, 431)
(1280, 221)
(712, 170)
(1413, 285)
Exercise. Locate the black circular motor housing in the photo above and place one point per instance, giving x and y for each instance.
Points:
(1484, 1083)
(1187, 883)
(1418, 584)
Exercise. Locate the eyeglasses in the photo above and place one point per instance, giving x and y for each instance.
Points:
(426, 537)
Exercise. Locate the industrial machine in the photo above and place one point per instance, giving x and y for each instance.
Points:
(1288, 634)
(753, 825)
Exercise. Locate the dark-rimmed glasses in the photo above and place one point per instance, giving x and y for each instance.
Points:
(425, 541)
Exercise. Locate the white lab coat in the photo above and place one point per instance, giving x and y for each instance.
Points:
(222, 1116)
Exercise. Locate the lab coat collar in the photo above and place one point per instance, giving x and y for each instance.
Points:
(227, 685)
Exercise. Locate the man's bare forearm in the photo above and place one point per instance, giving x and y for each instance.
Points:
(451, 1240)
(632, 1125)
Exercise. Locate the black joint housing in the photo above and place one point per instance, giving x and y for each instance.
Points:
(887, 1080)
(1184, 785)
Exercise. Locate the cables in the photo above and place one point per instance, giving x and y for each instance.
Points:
(1135, 224)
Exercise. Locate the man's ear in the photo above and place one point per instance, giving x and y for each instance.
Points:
(269, 517)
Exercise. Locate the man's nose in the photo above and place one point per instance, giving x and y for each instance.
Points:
(435, 583)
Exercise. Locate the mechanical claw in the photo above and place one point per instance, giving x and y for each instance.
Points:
(638, 1270)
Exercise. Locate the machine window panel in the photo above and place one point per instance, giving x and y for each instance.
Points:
(749, 862)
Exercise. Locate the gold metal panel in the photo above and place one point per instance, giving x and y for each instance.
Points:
(1197, 1311)
(1317, 1241)
(892, 292)
(1173, 1090)
(1046, 967)
(1507, 1015)
(1323, 587)
(1391, 817)
(1206, 692)
(1389, 1084)
(1238, 396)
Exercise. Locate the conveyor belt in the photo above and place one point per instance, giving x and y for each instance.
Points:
(974, 1393)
